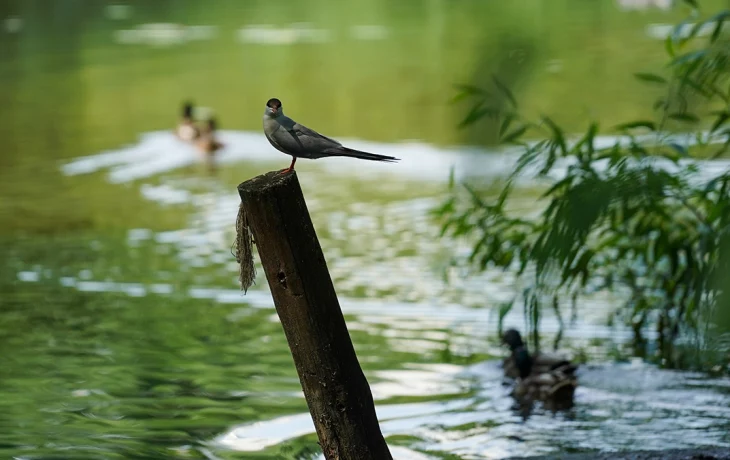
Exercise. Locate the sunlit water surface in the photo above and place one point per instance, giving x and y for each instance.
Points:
(422, 330)
(123, 331)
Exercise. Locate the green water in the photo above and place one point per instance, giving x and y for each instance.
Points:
(122, 330)
(73, 85)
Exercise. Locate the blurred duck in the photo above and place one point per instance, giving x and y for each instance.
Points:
(539, 377)
(186, 129)
(206, 141)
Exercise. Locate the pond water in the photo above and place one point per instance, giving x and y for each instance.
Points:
(123, 333)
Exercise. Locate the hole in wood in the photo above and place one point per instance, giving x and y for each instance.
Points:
(282, 278)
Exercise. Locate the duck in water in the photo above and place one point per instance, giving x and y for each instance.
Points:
(206, 141)
(186, 129)
(538, 377)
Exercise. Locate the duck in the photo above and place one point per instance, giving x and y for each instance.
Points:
(186, 128)
(541, 377)
(206, 141)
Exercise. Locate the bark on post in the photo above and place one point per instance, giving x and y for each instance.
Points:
(336, 390)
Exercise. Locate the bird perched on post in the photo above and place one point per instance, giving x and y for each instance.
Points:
(542, 377)
(288, 136)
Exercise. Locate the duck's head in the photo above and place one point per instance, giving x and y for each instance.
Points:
(187, 110)
(520, 355)
(512, 339)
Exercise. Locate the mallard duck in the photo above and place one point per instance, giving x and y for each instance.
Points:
(207, 142)
(539, 377)
(186, 129)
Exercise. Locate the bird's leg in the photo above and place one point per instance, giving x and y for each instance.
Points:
(291, 166)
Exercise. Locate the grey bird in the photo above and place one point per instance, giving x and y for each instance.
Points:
(288, 136)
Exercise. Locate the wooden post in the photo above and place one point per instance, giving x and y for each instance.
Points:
(336, 390)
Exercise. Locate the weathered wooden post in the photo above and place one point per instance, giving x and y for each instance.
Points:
(336, 390)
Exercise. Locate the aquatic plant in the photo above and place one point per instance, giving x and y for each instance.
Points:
(636, 215)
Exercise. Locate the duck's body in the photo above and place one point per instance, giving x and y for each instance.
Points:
(187, 132)
(540, 363)
(208, 144)
(206, 141)
(540, 377)
(186, 129)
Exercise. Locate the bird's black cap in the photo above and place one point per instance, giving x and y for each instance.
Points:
(274, 103)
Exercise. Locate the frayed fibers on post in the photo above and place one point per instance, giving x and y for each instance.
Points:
(244, 250)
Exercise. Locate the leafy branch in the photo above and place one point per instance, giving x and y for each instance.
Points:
(637, 216)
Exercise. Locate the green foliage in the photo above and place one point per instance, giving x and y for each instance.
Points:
(635, 216)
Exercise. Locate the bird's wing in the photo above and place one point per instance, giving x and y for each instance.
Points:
(303, 131)
(313, 144)
(298, 140)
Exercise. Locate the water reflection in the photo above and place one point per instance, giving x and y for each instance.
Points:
(627, 5)
(391, 286)
(124, 333)
(392, 292)
(119, 12)
(164, 34)
(160, 152)
(440, 405)
(479, 421)
(13, 24)
(296, 33)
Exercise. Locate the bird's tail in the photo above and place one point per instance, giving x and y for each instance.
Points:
(345, 152)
